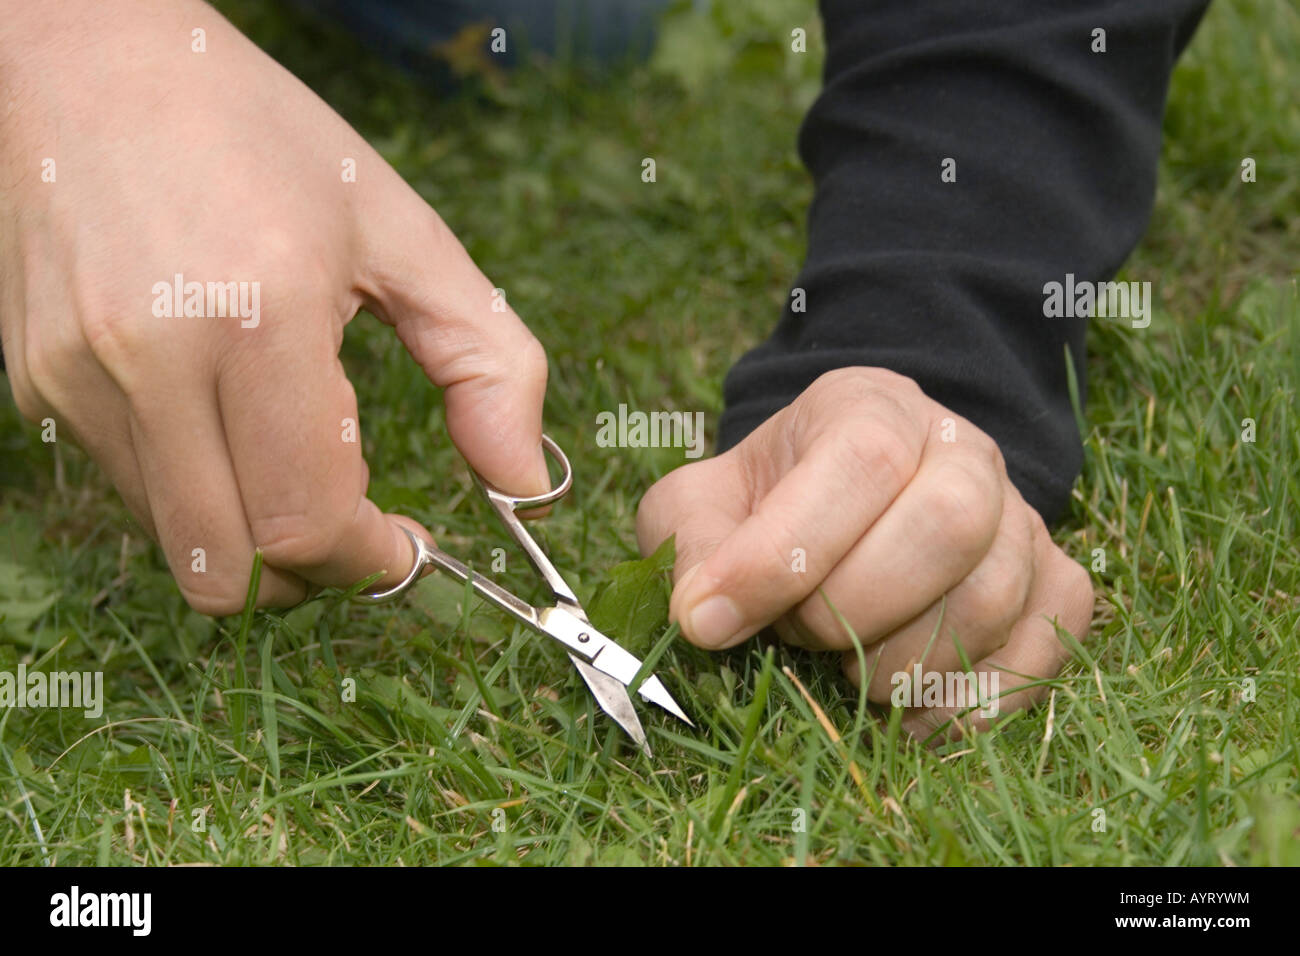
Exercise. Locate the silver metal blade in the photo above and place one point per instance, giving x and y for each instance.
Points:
(654, 691)
(613, 700)
(566, 622)
(622, 665)
(605, 655)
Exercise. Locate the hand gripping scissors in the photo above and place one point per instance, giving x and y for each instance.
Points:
(606, 667)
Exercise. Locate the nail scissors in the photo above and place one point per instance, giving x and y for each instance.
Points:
(607, 667)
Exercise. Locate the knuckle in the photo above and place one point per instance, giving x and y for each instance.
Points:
(866, 377)
(995, 601)
(840, 382)
(1078, 584)
(39, 358)
(860, 385)
(432, 226)
(110, 337)
(1078, 579)
(433, 233)
(967, 506)
(900, 409)
(897, 384)
(532, 364)
(26, 399)
(994, 452)
(1035, 526)
(881, 453)
(985, 447)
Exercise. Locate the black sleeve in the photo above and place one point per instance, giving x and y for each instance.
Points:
(1055, 148)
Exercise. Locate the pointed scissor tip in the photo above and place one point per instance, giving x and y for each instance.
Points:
(611, 696)
(654, 691)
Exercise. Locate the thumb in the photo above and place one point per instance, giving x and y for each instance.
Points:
(468, 340)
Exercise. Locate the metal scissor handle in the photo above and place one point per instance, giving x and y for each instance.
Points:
(517, 503)
(506, 506)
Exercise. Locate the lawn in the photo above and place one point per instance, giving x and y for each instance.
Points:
(1171, 738)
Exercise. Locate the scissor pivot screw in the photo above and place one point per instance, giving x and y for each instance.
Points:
(584, 637)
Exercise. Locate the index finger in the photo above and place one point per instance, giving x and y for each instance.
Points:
(293, 431)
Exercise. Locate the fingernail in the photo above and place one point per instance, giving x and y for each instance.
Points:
(716, 620)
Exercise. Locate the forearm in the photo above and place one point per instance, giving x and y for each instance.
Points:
(1054, 151)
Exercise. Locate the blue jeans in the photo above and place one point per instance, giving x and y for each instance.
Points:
(406, 31)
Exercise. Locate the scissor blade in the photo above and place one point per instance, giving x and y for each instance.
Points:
(653, 690)
(604, 654)
(623, 666)
(613, 700)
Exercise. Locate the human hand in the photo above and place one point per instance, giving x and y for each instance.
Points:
(128, 158)
(856, 483)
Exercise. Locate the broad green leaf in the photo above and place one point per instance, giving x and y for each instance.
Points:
(631, 605)
(24, 596)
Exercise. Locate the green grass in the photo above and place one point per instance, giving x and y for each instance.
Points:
(646, 293)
